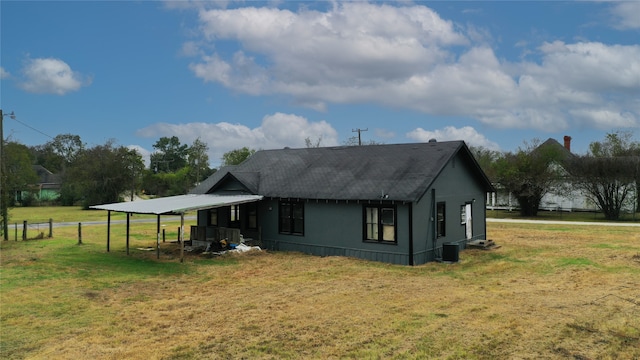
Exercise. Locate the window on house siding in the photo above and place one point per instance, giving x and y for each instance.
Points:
(234, 216)
(442, 221)
(380, 223)
(213, 217)
(252, 215)
(463, 214)
(291, 215)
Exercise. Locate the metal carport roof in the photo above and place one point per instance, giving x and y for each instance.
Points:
(172, 205)
(176, 205)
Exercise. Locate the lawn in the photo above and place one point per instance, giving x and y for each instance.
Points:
(42, 214)
(76, 214)
(588, 216)
(549, 291)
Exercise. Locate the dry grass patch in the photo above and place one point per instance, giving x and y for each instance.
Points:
(548, 292)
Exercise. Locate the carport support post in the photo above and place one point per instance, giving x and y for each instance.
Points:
(108, 229)
(158, 238)
(182, 237)
(128, 216)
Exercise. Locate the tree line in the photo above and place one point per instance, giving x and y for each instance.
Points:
(107, 173)
(608, 174)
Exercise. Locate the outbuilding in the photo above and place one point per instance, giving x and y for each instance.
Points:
(399, 203)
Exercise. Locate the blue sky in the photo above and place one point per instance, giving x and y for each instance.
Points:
(270, 74)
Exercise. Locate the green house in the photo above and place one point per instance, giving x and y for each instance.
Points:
(401, 203)
(47, 188)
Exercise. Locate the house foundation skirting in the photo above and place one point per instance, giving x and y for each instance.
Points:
(323, 250)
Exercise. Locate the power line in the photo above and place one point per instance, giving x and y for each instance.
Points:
(34, 129)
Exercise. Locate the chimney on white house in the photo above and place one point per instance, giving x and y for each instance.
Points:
(567, 142)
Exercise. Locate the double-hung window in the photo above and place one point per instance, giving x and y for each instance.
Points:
(380, 223)
(291, 214)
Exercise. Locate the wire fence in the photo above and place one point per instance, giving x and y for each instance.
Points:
(32, 230)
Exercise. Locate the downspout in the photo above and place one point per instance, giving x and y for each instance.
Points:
(434, 221)
(411, 234)
(485, 221)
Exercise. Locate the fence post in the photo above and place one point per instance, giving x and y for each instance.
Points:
(163, 235)
(50, 227)
(179, 239)
(15, 229)
(79, 233)
(24, 230)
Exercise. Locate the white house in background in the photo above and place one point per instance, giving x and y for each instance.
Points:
(567, 200)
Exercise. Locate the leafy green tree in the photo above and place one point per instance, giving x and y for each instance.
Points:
(135, 167)
(487, 159)
(615, 144)
(20, 174)
(58, 153)
(153, 183)
(529, 174)
(237, 156)
(46, 157)
(198, 161)
(170, 155)
(609, 174)
(170, 181)
(167, 184)
(100, 175)
(68, 146)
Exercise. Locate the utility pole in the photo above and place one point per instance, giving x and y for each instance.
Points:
(3, 205)
(358, 130)
(3, 178)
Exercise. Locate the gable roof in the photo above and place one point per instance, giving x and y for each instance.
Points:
(551, 143)
(404, 172)
(46, 176)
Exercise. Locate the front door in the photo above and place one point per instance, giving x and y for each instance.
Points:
(468, 221)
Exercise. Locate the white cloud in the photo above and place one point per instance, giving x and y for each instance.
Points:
(311, 54)
(384, 133)
(409, 57)
(627, 14)
(4, 74)
(607, 119)
(450, 133)
(590, 66)
(146, 154)
(51, 76)
(276, 131)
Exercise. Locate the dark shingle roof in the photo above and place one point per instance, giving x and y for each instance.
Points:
(46, 176)
(403, 171)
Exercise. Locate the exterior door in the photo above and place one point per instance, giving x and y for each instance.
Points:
(468, 221)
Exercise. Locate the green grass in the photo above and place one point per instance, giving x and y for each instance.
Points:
(561, 216)
(77, 214)
(576, 262)
(547, 292)
(42, 214)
